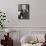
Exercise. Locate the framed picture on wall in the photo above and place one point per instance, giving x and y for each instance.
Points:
(23, 11)
(22, 17)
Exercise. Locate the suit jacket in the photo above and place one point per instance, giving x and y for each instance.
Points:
(25, 15)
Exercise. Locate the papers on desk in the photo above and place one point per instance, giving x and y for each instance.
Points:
(27, 44)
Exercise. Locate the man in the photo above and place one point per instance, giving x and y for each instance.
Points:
(24, 14)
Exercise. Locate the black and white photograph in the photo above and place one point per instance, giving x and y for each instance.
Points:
(23, 11)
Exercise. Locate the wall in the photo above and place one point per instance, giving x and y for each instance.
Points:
(37, 10)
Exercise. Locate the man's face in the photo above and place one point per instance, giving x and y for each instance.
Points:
(23, 7)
